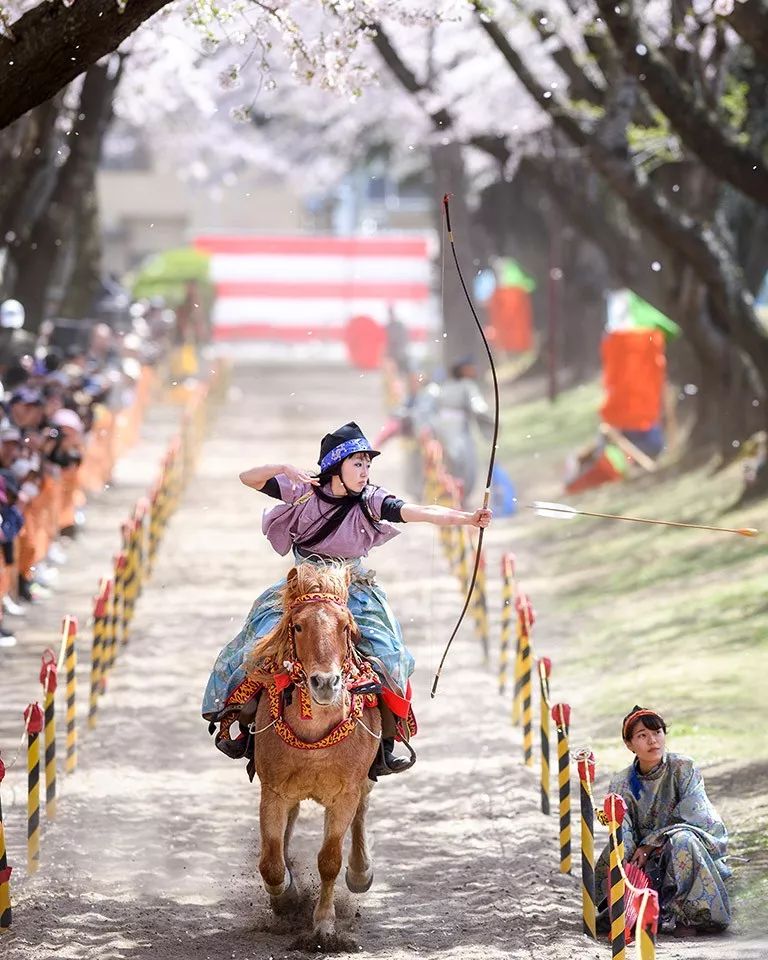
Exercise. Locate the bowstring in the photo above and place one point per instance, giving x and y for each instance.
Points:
(436, 534)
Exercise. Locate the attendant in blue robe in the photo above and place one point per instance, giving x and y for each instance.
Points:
(671, 830)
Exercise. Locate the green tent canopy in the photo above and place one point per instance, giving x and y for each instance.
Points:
(510, 274)
(167, 275)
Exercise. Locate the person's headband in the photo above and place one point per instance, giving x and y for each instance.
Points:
(344, 450)
(634, 717)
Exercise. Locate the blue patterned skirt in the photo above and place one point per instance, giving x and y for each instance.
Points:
(381, 639)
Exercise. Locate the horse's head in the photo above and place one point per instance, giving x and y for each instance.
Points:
(321, 625)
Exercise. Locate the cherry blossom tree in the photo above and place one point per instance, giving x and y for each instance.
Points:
(640, 127)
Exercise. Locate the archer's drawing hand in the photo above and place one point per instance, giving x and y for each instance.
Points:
(299, 476)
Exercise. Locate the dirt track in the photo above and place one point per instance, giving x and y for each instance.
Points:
(155, 850)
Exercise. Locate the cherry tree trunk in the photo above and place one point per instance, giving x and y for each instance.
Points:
(461, 338)
(51, 256)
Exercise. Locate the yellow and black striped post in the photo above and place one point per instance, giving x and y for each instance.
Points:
(117, 633)
(430, 468)
(142, 513)
(126, 562)
(647, 924)
(524, 610)
(48, 678)
(97, 650)
(153, 539)
(507, 598)
(158, 513)
(170, 481)
(69, 631)
(132, 570)
(462, 556)
(615, 809)
(544, 666)
(440, 492)
(457, 534)
(585, 763)
(480, 608)
(517, 702)
(175, 479)
(6, 914)
(561, 714)
(168, 484)
(111, 632)
(525, 619)
(33, 719)
(117, 609)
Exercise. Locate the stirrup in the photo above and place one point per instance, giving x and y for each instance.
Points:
(381, 768)
(409, 760)
(234, 749)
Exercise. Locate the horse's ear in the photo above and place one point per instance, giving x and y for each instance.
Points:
(291, 579)
(348, 574)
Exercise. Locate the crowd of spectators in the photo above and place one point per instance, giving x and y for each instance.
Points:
(58, 391)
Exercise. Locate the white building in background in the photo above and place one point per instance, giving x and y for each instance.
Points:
(290, 273)
(146, 206)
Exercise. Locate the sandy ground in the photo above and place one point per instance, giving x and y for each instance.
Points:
(155, 849)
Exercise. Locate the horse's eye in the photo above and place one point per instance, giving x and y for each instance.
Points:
(297, 628)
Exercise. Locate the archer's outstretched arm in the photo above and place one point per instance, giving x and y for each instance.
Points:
(445, 516)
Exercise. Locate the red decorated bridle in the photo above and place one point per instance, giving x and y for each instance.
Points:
(357, 674)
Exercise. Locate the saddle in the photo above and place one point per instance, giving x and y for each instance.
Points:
(243, 705)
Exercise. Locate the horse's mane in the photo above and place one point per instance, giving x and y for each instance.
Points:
(330, 578)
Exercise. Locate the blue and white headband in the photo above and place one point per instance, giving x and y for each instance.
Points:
(344, 450)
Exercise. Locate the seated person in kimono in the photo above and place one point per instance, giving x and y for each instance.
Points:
(671, 830)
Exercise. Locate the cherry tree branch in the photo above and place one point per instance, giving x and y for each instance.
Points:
(441, 118)
(52, 44)
(749, 19)
(696, 125)
(582, 87)
(697, 243)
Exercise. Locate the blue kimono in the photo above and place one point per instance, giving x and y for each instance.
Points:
(669, 811)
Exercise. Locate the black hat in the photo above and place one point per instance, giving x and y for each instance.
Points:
(342, 443)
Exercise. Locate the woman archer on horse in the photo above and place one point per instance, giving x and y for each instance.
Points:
(335, 516)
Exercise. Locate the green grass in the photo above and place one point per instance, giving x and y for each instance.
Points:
(540, 429)
(675, 619)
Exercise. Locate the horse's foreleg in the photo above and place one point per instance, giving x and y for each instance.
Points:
(273, 817)
(337, 821)
(359, 875)
(293, 816)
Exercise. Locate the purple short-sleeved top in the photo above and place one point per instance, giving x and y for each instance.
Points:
(302, 513)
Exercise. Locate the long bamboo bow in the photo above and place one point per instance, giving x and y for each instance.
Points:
(491, 459)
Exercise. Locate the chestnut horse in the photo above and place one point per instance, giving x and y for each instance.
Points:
(317, 745)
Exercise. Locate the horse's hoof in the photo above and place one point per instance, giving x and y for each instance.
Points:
(287, 900)
(358, 883)
(319, 942)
